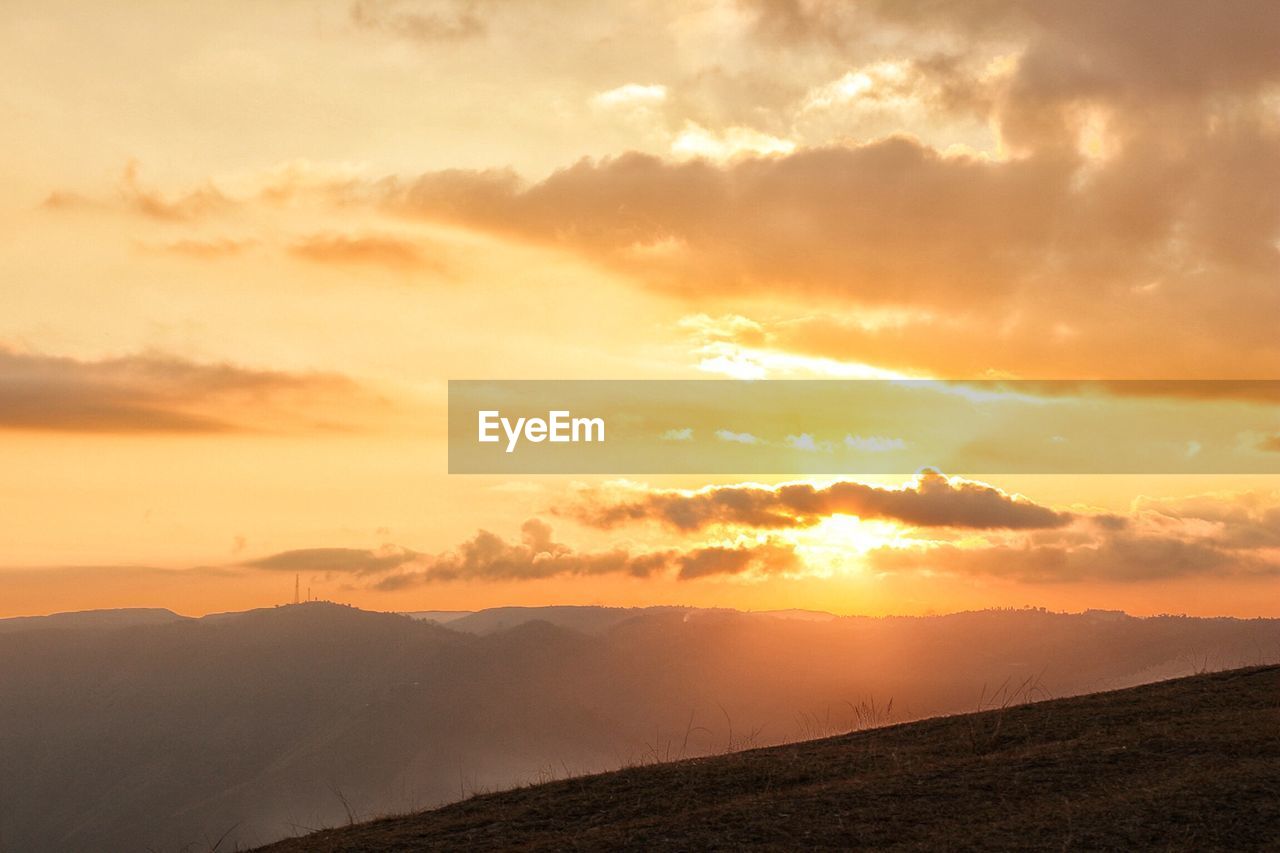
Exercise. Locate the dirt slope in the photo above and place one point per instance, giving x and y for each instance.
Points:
(1189, 764)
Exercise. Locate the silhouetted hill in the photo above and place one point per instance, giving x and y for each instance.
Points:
(1191, 764)
(119, 618)
(268, 723)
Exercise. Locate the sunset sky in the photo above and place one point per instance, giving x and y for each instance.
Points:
(245, 245)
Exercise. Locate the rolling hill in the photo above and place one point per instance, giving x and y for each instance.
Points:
(119, 618)
(255, 726)
(1187, 764)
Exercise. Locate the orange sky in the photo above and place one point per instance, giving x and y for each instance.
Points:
(246, 245)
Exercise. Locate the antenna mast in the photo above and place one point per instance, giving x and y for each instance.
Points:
(295, 589)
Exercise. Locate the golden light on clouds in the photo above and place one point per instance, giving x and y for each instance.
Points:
(247, 246)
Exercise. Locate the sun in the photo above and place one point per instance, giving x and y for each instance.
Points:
(837, 543)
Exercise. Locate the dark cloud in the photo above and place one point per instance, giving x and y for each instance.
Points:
(765, 558)
(150, 393)
(1210, 535)
(933, 501)
(1090, 48)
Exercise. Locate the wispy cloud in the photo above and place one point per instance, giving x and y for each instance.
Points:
(431, 22)
(366, 249)
(157, 393)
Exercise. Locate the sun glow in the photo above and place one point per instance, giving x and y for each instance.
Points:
(836, 545)
(739, 362)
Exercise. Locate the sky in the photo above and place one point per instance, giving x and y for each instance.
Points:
(244, 246)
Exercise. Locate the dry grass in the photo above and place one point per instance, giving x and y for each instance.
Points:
(1191, 764)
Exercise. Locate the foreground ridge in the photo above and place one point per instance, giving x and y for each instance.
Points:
(1187, 764)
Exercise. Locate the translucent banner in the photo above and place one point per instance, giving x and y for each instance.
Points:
(863, 426)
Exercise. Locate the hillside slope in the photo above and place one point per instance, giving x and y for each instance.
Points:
(123, 617)
(1189, 764)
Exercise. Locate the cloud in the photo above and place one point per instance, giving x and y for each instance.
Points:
(1120, 47)
(212, 249)
(132, 195)
(1121, 218)
(425, 21)
(189, 205)
(631, 96)
(766, 559)
(696, 141)
(729, 327)
(737, 437)
(62, 200)
(978, 249)
(368, 249)
(932, 501)
(960, 528)
(1225, 535)
(489, 557)
(336, 560)
(1235, 521)
(804, 441)
(1122, 557)
(155, 393)
(334, 183)
(1121, 215)
(814, 219)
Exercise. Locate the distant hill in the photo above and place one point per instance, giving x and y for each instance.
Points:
(587, 619)
(249, 727)
(1191, 764)
(442, 617)
(119, 618)
(591, 619)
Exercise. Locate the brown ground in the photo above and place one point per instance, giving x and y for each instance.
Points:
(1190, 764)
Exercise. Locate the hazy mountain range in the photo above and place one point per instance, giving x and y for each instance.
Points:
(141, 729)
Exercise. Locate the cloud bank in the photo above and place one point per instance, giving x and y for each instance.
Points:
(489, 557)
(932, 501)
